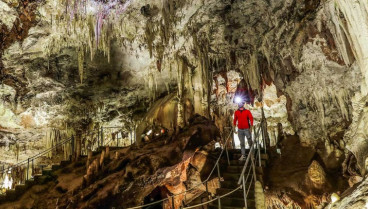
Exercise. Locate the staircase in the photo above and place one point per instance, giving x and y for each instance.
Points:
(45, 176)
(230, 175)
(38, 179)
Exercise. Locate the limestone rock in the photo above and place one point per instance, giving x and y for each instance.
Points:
(259, 196)
(317, 175)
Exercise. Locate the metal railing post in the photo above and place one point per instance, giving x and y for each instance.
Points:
(98, 137)
(244, 193)
(72, 147)
(219, 202)
(172, 201)
(259, 155)
(171, 198)
(117, 140)
(264, 140)
(27, 168)
(254, 170)
(227, 153)
(219, 174)
(102, 136)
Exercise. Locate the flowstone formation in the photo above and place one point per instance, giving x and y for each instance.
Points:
(75, 66)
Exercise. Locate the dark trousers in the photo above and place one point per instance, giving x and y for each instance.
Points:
(242, 133)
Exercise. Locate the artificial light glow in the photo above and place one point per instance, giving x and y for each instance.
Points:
(334, 198)
(217, 145)
(238, 99)
(8, 182)
(149, 132)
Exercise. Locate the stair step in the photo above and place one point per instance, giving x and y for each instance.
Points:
(230, 202)
(41, 179)
(234, 201)
(235, 156)
(94, 153)
(239, 193)
(2, 198)
(64, 163)
(231, 151)
(236, 162)
(30, 183)
(11, 194)
(20, 189)
(234, 169)
(238, 169)
(198, 200)
(231, 176)
(110, 147)
(46, 172)
(263, 163)
(264, 157)
(213, 206)
(233, 184)
(55, 167)
(259, 170)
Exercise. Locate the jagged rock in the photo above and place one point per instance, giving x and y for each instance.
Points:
(354, 180)
(72, 68)
(317, 175)
(136, 172)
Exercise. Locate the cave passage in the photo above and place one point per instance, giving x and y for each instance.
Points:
(143, 104)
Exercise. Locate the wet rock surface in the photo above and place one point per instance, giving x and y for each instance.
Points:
(171, 164)
(160, 62)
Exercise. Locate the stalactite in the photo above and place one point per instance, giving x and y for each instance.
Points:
(82, 27)
(254, 74)
(181, 66)
(81, 64)
(202, 74)
(150, 36)
(151, 86)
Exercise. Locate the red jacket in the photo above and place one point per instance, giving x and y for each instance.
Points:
(244, 118)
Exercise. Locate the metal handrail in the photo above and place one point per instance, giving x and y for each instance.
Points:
(199, 184)
(214, 199)
(48, 150)
(242, 179)
(31, 159)
(35, 156)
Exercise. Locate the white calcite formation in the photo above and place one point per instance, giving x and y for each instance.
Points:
(134, 63)
(7, 14)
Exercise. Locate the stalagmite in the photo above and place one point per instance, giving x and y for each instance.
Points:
(89, 158)
(166, 73)
(181, 67)
(102, 158)
(107, 152)
(259, 196)
(81, 64)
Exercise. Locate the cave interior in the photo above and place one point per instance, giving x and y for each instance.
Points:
(131, 103)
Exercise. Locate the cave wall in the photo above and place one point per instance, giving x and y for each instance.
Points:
(64, 67)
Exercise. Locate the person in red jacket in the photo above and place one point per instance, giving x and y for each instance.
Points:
(245, 121)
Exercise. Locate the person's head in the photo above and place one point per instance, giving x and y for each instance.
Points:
(241, 104)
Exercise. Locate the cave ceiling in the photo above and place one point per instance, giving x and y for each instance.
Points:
(77, 63)
(70, 64)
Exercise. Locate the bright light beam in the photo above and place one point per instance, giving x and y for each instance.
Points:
(238, 99)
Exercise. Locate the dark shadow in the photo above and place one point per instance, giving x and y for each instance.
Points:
(157, 194)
